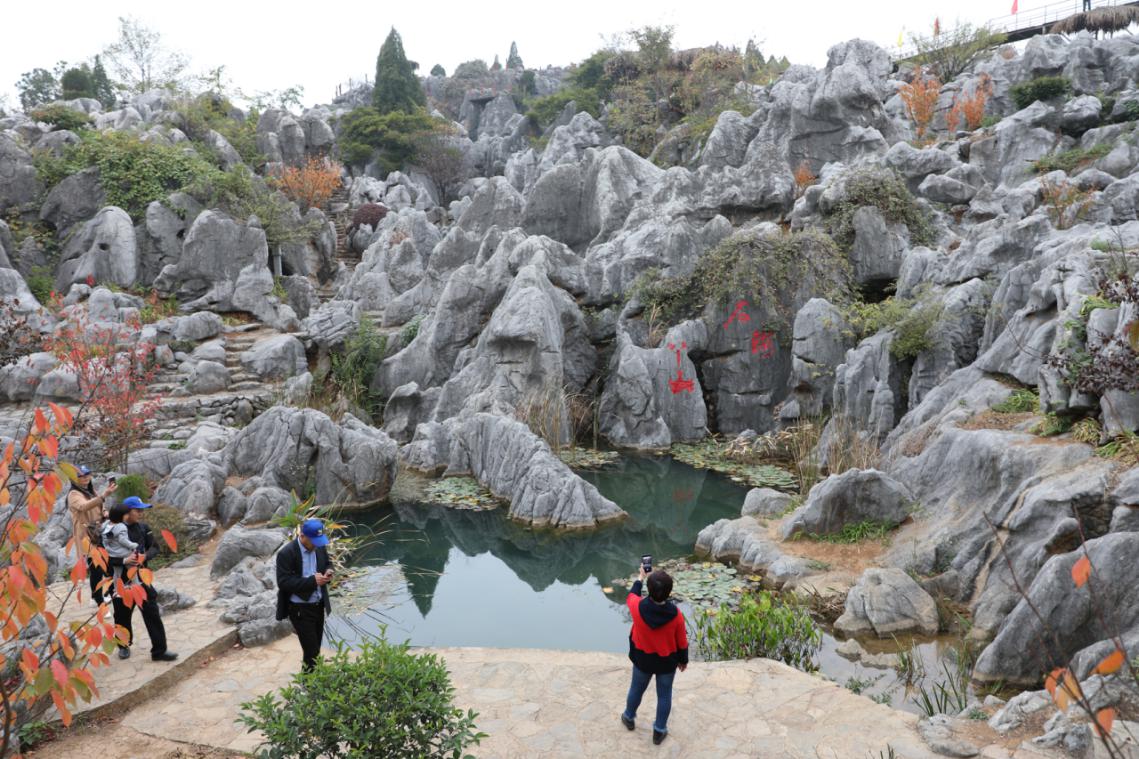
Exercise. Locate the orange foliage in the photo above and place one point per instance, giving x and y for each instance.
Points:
(804, 177)
(310, 185)
(920, 99)
(971, 107)
(113, 368)
(55, 669)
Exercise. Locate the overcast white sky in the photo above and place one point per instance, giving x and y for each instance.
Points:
(318, 44)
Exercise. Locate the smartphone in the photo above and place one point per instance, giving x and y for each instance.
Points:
(111, 480)
(647, 563)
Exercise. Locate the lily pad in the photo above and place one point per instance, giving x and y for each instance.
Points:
(461, 493)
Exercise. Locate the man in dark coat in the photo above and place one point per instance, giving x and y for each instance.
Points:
(139, 532)
(303, 573)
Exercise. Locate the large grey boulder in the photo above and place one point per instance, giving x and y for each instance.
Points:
(19, 379)
(224, 267)
(854, 496)
(331, 324)
(818, 345)
(584, 202)
(765, 502)
(19, 183)
(745, 542)
(103, 249)
(1072, 613)
(878, 247)
(239, 543)
(275, 358)
(536, 339)
(887, 602)
(639, 408)
(513, 463)
(75, 199)
(207, 377)
(162, 233)
(192, 487)
(868, 387)
(348, 463)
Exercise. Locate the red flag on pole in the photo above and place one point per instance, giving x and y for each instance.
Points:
(1014, 11)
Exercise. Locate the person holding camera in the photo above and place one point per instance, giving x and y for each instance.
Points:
(303, 574)
(658, 646)
(88, 509)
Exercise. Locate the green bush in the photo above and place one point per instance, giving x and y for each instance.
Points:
(1040, 88)
(61, 117)
(354, 367)
(545, 109)
(990, 121)
(886, 191)
(383, 702)
(763, 626)
(1070, 160)
(41, 283)
(911, 319)
(132, 484)
(390, 138)
(1021, 401)
(162, 517)
(133, 173)
(763, 269)
(210, 111)
(410, 330)
(856, 532)
(241, 193)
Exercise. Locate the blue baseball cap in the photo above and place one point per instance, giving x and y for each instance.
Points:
(83, 471)
(313, 529)
(134, 502)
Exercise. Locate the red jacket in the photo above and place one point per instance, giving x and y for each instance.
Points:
(658, 641)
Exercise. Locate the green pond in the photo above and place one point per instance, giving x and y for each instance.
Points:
(453, 577)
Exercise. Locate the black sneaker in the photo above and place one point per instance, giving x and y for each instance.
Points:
(124, 653)
(658, 737)
(164, 656)
(628, 723)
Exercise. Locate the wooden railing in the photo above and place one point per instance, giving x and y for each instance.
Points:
(1028, 23)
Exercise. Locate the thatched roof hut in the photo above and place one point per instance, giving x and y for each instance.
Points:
(1111, 19)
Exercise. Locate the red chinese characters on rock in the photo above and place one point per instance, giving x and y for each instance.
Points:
(738, 314)
(763, 344)
(680, 383)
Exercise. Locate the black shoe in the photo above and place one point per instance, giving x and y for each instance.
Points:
(628, 723)
(124, 653)
(164, 656)
(658, 738)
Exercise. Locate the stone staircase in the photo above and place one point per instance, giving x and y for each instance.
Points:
(178, 410)
(340, 214)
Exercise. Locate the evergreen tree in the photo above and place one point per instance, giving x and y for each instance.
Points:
(496, 66)
(104, 91)
(514, 61)
(76, 82)
(438, 70)
(397, 86)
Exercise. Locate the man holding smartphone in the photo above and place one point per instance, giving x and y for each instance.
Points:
(303, 574)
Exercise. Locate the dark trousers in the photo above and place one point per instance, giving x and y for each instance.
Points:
(151, 617)
(95, 576)
(308, 623)
(637, 688)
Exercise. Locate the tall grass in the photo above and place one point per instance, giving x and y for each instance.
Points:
(560, 416)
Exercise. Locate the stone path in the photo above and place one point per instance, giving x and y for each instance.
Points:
(530, 702)
(194, 633)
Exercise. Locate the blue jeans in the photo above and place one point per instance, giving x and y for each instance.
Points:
(664, 696)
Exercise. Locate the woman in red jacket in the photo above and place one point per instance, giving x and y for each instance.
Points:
(658, 645)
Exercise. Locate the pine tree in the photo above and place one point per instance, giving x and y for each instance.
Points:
(76, 83)
(514, 61)
(397, 86)
(101, 83)
(438, 70)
